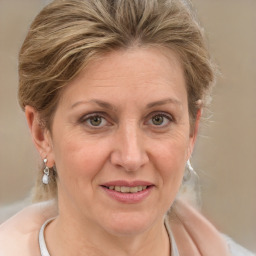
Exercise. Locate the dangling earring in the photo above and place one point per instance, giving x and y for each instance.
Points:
(189, 171)
(190, 189)
(45, 178)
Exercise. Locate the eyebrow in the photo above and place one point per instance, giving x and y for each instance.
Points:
(107, 105)
(163, 102)
(101, 103)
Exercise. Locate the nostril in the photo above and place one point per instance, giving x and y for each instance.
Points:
(128, 162)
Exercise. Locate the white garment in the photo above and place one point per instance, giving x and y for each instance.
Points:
(42, 244)
(236, 249)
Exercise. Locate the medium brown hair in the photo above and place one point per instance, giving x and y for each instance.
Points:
(67, 34)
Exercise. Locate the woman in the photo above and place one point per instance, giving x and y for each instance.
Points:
(113, 92)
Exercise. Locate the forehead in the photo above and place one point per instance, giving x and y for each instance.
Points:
(151, 72)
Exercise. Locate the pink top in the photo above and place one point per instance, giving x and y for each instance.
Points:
(190, 232)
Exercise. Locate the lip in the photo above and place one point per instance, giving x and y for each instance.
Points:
(127, 183)
(128, 198)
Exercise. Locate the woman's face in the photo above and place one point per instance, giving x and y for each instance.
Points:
(122, 124)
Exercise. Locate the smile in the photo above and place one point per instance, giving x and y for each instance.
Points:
(129, 192)
(124, 189)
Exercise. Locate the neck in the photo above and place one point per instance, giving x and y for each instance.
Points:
(70, 236)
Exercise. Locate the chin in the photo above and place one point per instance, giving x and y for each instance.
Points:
(129, 224)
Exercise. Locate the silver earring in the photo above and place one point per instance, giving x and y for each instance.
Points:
(45, 178)
(189, 171)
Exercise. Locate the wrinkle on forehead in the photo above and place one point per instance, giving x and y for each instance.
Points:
(127, 56)
(121, 72)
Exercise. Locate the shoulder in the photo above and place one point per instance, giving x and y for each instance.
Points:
(236, 249)
(194, 233)
(23, 228)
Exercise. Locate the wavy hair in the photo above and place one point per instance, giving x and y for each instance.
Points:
(67, 34)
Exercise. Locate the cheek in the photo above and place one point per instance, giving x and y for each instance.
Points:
(76, 158)
(170, 157)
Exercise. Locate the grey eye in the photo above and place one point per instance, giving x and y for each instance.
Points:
(95, 120)
(158, 120)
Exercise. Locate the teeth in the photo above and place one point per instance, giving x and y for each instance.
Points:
(124, 189)
(117, 188)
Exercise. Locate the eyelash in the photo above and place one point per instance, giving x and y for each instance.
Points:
(161, 114)
(86, 118)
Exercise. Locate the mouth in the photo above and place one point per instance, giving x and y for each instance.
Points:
(126, 189)
(128, 192)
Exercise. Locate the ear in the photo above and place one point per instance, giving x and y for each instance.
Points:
(194, 133)
(41, 136)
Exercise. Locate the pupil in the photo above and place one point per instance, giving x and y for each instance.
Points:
(158, 120)
(96, 120)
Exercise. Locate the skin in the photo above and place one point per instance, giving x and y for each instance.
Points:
(141, 132)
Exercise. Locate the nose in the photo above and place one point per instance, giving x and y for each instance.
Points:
(129, 148)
